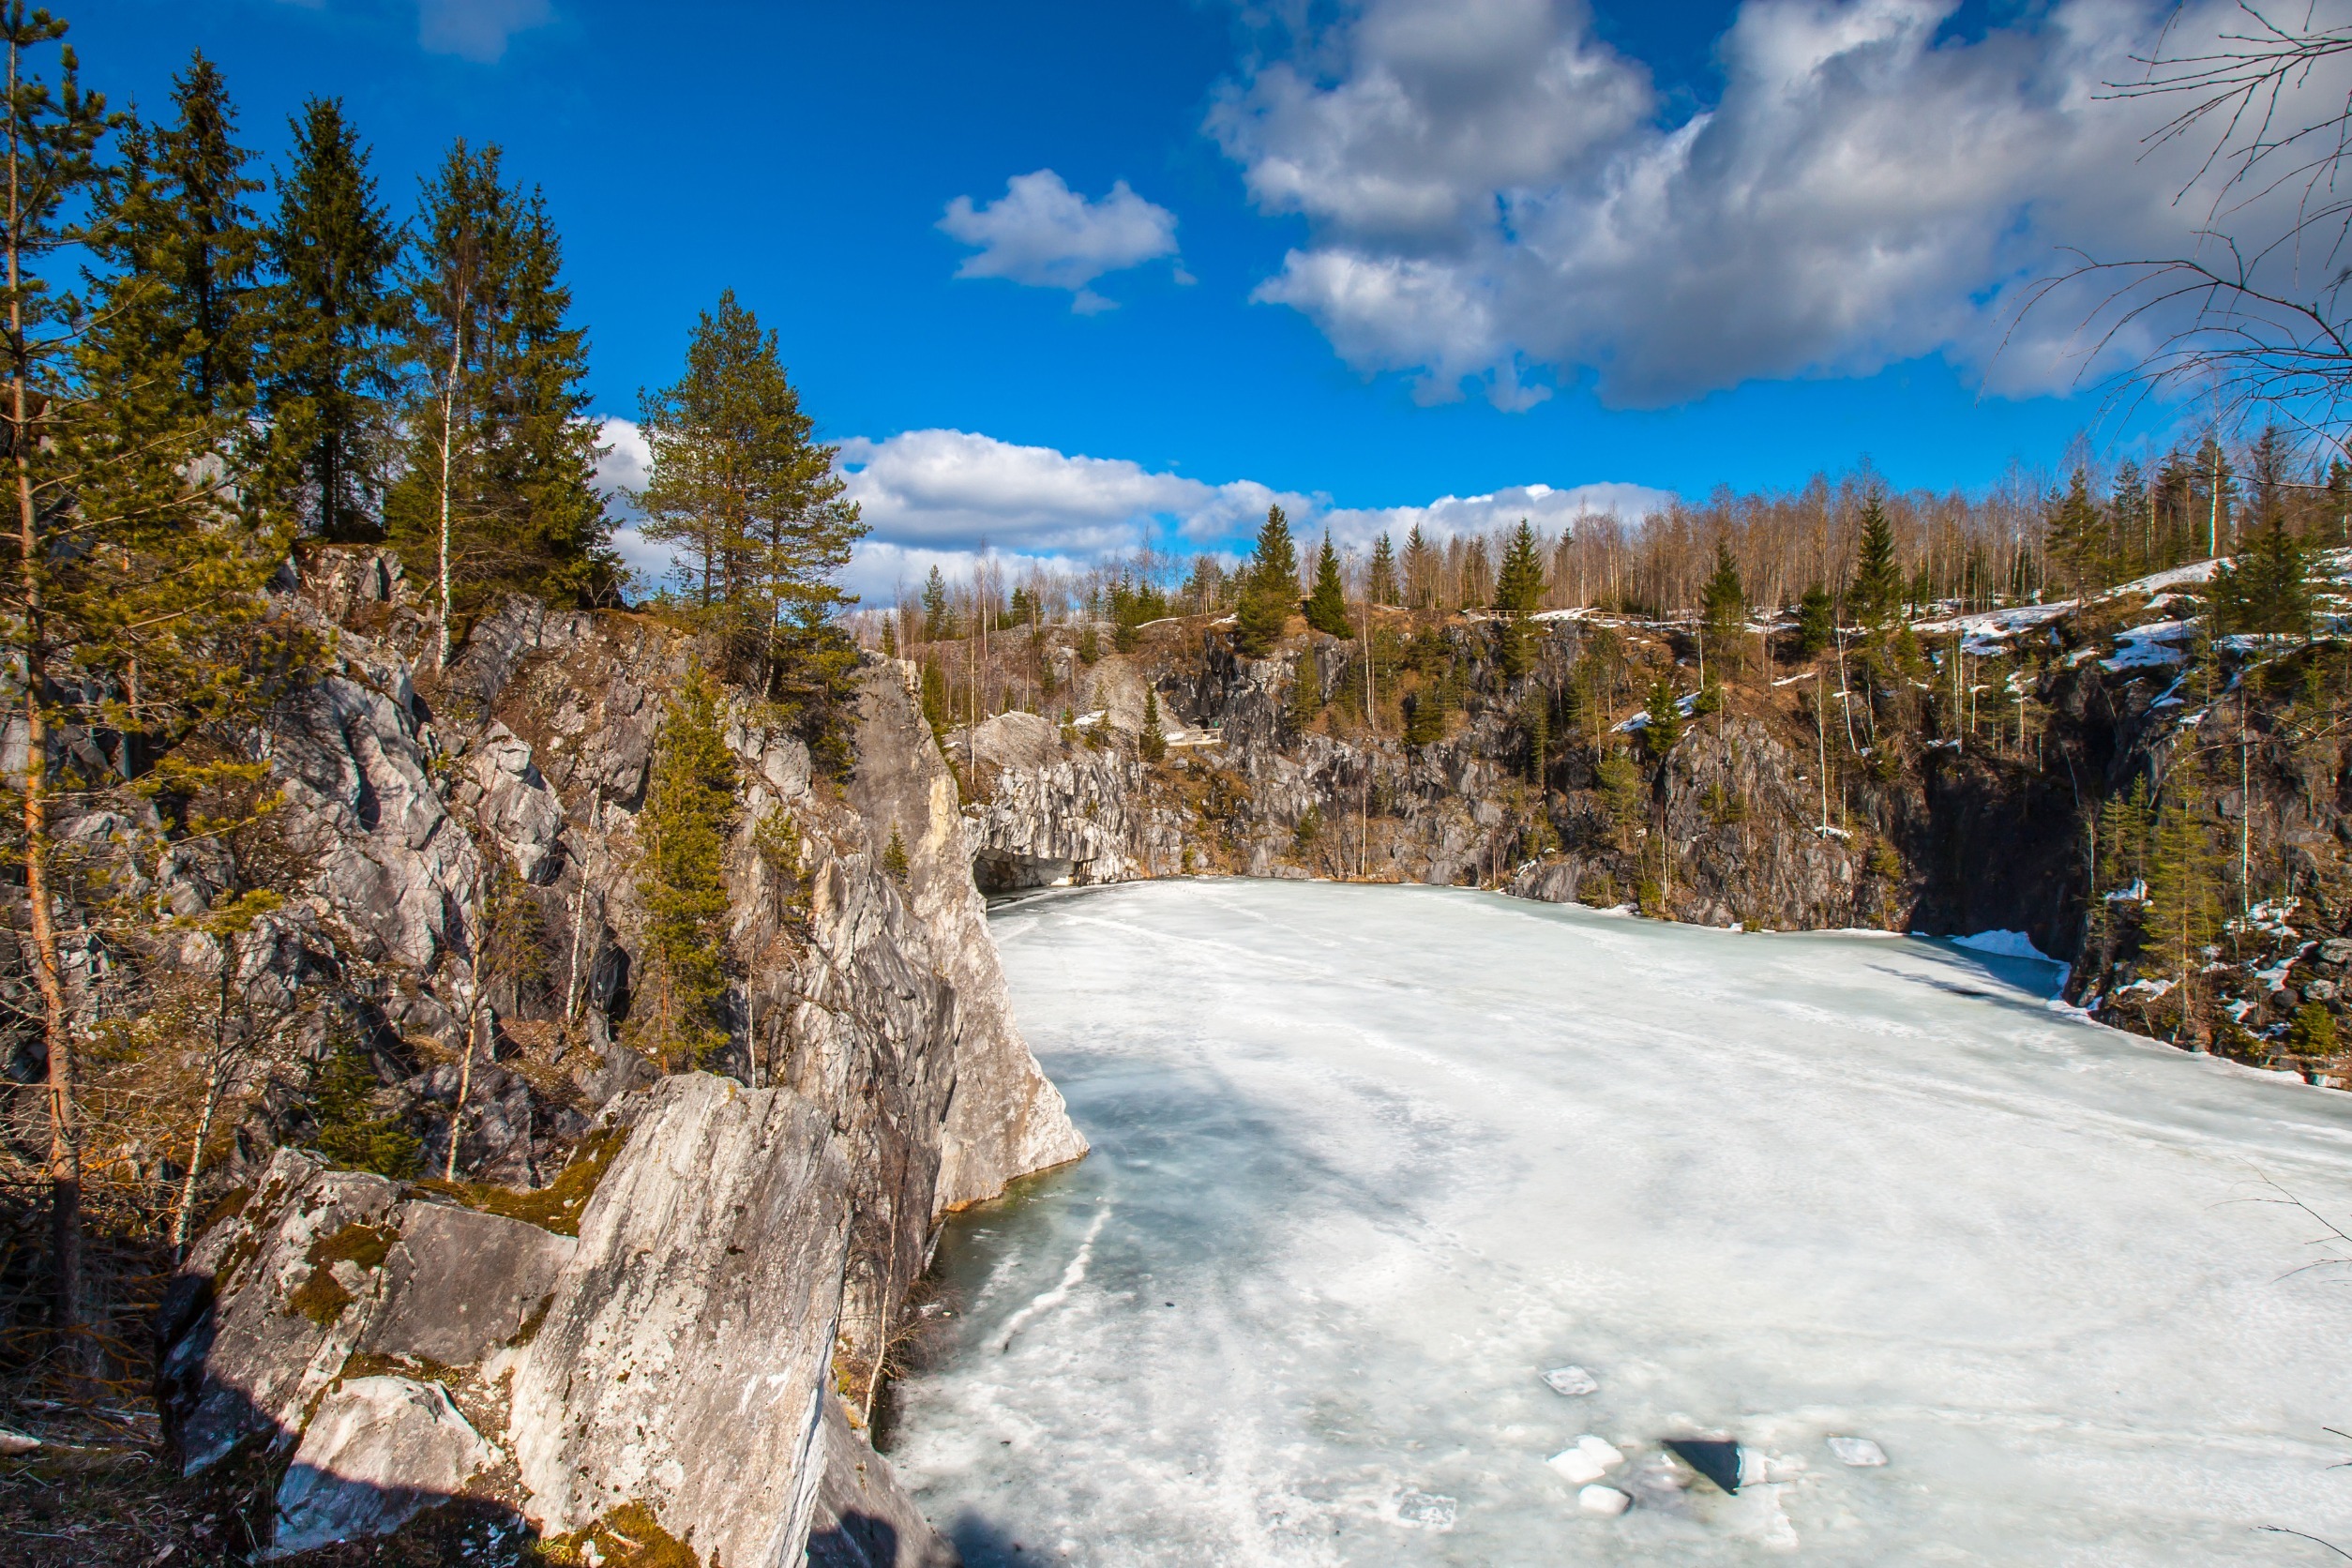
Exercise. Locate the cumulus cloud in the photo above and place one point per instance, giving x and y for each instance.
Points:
(476, 29)
(940, 497)
(1491, 192)
(1043, 233)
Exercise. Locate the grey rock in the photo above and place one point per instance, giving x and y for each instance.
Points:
(683, 1362)
(863, 1518)
(460, 1284)
(2320, 991)
(2336, 950)
(378, 1451)
(1005, 1118)
(515, 805)
(241, 1360)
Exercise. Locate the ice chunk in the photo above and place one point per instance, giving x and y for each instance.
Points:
(1605, 1501)
(1600, 1451)
(1576, 1467)
(1753, 1472)
(1857, 1452)
(1425, 1511)
(1573, 1381)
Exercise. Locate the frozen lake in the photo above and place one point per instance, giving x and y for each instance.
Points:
(1368, 1161)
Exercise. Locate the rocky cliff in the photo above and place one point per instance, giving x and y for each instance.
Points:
(665, 1300)
(1947, 777)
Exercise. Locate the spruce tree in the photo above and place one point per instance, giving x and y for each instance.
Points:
(1327, 606)
(1382, 587)
(687, 818)
(2184, 890)
(1724, 604)
(1519, 586)
(1421, 571)
(1306, 691)
(1877, 594)
(1270, 591)
(2265, 589)
(1519, 594)
(327, 376)
(1152, 740)
(1663, 712)
(175, 217)
(939, 622)
(2077, 536)
(1817, 621)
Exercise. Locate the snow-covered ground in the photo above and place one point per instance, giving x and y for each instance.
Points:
(1369, 1161)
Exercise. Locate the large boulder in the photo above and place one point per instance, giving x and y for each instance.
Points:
(460, 1284)
(378, 1451)
(683, 1363)
(269, 1305)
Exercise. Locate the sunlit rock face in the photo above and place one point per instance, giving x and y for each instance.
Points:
(1369, 1162)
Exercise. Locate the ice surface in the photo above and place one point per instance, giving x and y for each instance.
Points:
(1859, 1452)
(1394, 1152)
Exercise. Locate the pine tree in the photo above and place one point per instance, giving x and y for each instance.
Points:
(1272, 590)
(1817, 621)
(688, 818)
(1538, 725)
(740, 482)
(1724, 604)
(132, 588)
(327, 376)
(497, 494)
(1327, 606)
(1382, 587)
(894, 856)
(1876, 597)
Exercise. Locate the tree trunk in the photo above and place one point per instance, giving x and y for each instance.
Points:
(65, 1149)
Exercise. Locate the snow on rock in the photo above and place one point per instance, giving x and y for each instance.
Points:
(1608, 1502)
(1575, 1467)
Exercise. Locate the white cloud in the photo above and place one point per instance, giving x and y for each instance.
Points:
(938, 497)
(1490, 190)
(476, 29)
(1042, 232)
(1550, 510)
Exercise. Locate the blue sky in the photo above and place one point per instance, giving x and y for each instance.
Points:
(1382, 254)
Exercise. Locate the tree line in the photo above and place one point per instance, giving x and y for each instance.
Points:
(2032, 537)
